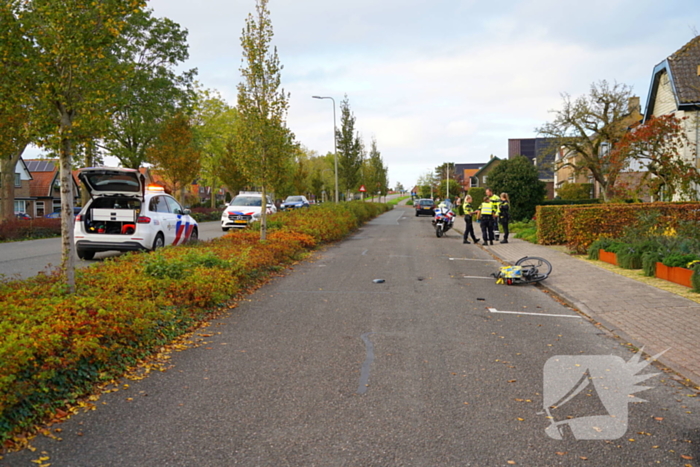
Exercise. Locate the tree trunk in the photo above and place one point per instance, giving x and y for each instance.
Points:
(68, 247)
(212, 195)
(263, 214)
(7, 185)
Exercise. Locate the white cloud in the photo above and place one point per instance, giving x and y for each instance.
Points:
(437, 80)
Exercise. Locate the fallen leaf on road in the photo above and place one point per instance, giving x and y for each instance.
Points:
(559, 453)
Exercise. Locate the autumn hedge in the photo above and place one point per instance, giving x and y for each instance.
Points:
(57, 346)
(579, 226)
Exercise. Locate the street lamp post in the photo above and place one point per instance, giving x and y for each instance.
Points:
(335, 146)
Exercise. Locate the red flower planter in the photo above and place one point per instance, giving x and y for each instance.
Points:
(607, 257)
(679, 276)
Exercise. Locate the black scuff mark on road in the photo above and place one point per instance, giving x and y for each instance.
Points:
(369, 358)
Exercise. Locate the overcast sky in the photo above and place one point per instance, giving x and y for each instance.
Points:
(437, 80)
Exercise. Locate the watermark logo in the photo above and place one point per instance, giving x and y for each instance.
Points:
(587, 396)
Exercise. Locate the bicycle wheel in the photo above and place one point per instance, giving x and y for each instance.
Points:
(534, 269)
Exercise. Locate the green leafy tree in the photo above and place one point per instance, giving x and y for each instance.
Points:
(75, 61)
(215, 121)
(427, 184)
(589, 127)
(519, 178)
(16, 103)
(322, 170)
(176, 155)
(263, 142)
(152, 92)
(454, 188)
(575, 191)
(375, 171)
(349, 150)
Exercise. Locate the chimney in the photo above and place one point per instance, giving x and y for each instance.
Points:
(633, 105)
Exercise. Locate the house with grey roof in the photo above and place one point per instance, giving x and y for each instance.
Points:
(675, 89)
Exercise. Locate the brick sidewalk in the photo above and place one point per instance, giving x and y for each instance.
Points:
(641, 314)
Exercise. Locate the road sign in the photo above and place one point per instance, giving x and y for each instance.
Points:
(362, 189)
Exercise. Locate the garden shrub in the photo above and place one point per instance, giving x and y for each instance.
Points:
(600, 244)
(629, 257)
(17, 229)
(695, 277)
(550, 225)
(649, 260)
(679, 260)
(579, 226)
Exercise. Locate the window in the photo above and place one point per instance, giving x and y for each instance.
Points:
(39, 209)
(18, 181)
(173, 205)
(20, 206)
(158, 204)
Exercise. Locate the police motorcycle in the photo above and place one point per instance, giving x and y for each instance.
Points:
(443, 221)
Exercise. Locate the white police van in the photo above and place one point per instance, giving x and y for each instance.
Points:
(124, 214)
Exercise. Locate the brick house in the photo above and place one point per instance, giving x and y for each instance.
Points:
(465, 174)
(480, 177)
(45, 187)
(23, 199)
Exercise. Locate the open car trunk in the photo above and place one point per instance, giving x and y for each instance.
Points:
(113, 215)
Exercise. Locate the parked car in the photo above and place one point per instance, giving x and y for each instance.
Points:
(125, 215)
(23, 216)
(424, 206)
(244, 209)
(57, 214)
(295, 202)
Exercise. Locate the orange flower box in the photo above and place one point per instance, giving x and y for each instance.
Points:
(607, 257)
(662, 271)
(680, 276)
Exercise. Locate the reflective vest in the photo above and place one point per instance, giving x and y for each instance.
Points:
(468, 209)
(486, 208)
(496, 200)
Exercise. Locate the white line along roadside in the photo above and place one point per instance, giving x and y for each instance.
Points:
(493, 310)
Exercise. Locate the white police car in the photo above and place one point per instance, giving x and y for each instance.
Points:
(244, 209)
(125, 215)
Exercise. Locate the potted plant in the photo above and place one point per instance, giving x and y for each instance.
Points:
(673, 268)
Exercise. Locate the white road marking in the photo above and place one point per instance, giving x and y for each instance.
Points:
(477, 277)
(493, 310)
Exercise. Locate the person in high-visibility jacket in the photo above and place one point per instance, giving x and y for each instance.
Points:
(486, 218)
(468, 213)
(496, 200)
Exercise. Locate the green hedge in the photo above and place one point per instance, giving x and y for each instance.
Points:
(579, 226)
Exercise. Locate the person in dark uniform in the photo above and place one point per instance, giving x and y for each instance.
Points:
(486, 219)
(468, 210)
(496, 201)
(504, 215)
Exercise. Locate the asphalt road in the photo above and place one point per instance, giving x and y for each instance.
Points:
(21, 260)
(326, 367)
